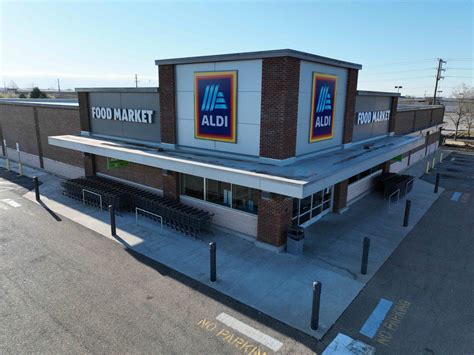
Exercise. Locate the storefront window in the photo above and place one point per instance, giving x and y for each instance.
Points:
(192, 186)
(245, 199)
(218, 192)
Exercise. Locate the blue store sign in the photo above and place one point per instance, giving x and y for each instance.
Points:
(323, 107)
(215, 106)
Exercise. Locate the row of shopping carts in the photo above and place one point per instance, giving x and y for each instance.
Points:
(101, 192)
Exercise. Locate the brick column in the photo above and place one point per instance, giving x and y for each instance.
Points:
(279, 107)
(89, 164)
(83, 98)
(393, 114)
(386, 167)
(349, 115)
(171, 184)
(340, 196)
(168, 119)
(274, 219)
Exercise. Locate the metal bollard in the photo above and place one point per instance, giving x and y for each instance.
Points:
(7, 161)
(427, 171)
(365, 256)
(434, 162)
(316, 304)
(112, 220)
(406, 218)
(212, 250)
(441, 158)
(37, 190)
(436, 183)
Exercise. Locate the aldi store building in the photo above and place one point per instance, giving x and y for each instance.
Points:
(263, 140)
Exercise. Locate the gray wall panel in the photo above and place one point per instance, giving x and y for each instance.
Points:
(370, 104)
(123, 129)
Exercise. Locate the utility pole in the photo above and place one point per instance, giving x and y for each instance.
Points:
(136, 80)
(59, 87)
(438, 77)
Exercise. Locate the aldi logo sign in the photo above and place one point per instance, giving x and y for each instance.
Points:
(215, 106)
(323, 107)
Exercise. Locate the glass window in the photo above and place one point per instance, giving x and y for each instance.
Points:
(218, 192)
(192, 186)
(245, 199)
(304, 217)
(327, 194)
(305, 204)
(317, 199)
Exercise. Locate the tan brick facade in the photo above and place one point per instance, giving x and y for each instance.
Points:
(168, 118)
(274, 219)
(279, 107)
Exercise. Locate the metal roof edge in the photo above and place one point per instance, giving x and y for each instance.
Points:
(120, 89)
(259, 55)
(377, 93)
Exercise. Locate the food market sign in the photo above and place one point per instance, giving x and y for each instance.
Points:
(122, 114)
(372, 117)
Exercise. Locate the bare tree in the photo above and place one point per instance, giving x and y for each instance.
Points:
(461, 113)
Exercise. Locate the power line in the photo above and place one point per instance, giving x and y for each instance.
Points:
(403, 63)
(402, 71)
(399, 79)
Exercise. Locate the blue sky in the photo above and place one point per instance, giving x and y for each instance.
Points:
(104, 43)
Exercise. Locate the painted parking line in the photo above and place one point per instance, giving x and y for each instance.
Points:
(374, 321)
(345, 345)
(250, 332)
(456, 196)
(11, 202)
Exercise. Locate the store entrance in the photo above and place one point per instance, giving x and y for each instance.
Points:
(311, 208)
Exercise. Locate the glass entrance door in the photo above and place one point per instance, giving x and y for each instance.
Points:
(309, 209)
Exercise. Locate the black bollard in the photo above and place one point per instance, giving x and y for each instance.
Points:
(113, 230)
(315, 307)
(37, 189)
(212, 250)
(407, 213)
(436, 183)
(365, 256)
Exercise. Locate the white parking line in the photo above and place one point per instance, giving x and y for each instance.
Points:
(11, 202)
(345, 345)
(249, 331)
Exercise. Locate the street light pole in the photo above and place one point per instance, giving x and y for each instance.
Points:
(398, 87)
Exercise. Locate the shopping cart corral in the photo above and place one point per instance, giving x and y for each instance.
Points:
(390, 183)
(101, 192)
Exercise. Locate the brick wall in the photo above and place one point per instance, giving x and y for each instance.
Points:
(279, 107)
(168, 118)
(274, 219)
(54, 122)
(404, 122)
(340, 195)
(422, 119)
(83, 98)
(18, 126)
(393, 114)
(171, 184)
(140, 174)
(349, 114)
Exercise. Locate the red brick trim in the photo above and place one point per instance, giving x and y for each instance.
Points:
(349, 115)
(340, 195)
(168, 118)
(393, 114)
(274, 219)
(89, 164)
(279, 107)
(171, 184)
(85, 123)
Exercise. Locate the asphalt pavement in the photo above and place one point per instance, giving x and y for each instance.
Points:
(65, 288)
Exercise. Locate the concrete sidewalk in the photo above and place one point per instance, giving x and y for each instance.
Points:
(277, 284)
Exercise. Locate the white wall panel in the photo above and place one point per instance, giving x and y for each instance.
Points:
(304, 107)
(226, 217)
(249, 87)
